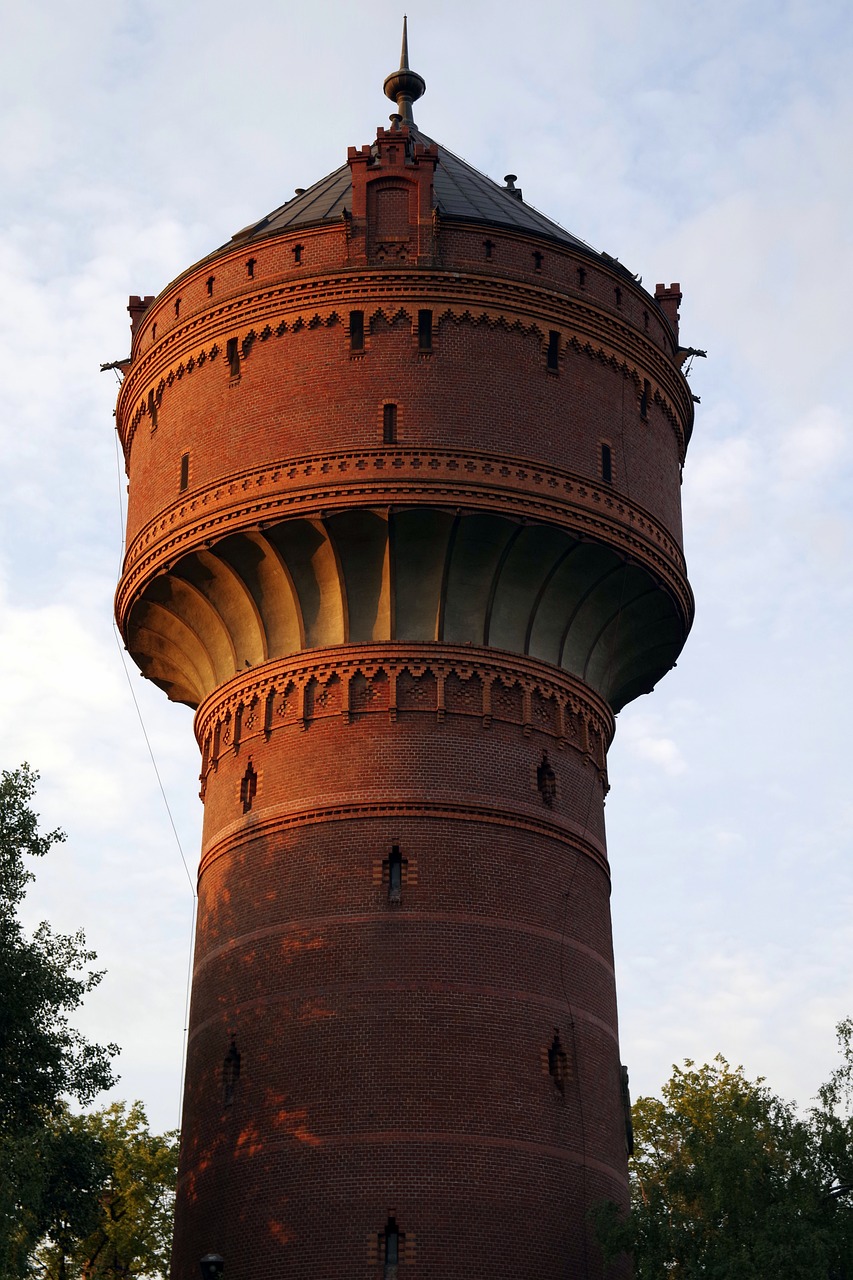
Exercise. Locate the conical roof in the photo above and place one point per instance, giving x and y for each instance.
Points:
(461, 192)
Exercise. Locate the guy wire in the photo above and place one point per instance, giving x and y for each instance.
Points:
(122, 652)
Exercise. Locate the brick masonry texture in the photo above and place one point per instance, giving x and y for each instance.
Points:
(405, 633)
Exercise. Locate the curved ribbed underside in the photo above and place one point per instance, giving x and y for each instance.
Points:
(421, 574)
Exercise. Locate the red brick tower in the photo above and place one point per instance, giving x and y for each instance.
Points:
(404, 525)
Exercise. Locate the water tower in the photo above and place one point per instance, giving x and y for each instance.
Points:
(404, 527)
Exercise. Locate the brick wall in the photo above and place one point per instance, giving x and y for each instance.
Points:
(404, 1008)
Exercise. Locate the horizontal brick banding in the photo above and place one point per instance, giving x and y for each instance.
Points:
(368, 1030)
(392, 479)
(311, 486)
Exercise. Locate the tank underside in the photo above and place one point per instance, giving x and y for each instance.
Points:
(423, 574)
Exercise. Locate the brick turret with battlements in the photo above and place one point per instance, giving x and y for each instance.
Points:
(404, 527)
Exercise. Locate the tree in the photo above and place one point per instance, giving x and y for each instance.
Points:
(129, 1234)
(43, 1059)
(729, 1182)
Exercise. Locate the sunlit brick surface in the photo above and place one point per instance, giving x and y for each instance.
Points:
(406, 632)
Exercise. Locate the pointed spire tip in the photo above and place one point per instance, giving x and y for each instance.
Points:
(404, 51)
(405, 86)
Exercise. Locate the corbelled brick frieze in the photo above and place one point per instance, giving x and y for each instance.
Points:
(438, 680)
(585, 330)
(397, 681)
(310, 486)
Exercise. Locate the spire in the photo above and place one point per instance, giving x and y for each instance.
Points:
(404, 52)
(405, 86)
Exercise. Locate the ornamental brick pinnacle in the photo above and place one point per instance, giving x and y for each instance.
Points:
(404, 526)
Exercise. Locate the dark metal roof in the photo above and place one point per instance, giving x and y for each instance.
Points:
(461, 192)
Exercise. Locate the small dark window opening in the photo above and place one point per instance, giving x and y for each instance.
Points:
(356, 330)
(250, 268)
(425, 331)
(297, 254)
(582, 277)
(645, 319)
(389, 424)
(644, 399)
(395, 875)
(617, 292)
(546, 780)
(232, 355)
(606, 464)
(185, 471)
(553, 360)
(177, 307)
(392, 1246)
(537, 260)
(230, 1073)
(248, 787)
(154, 332)
(557, 1062)
(489, 246)
(152, 410)
(210, 280)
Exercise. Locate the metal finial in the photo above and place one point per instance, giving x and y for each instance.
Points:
(404, 52)
(405, 86)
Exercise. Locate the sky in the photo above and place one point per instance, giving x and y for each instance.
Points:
(705, 143)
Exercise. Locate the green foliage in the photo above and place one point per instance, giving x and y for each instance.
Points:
(729, 1182)
(130, 1232)
(42, 980)
(46, 1161)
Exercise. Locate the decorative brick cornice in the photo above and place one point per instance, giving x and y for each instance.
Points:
(305, 487)
(496, 302)
(350, 682)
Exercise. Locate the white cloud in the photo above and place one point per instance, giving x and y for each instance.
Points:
(813, 447)
(696, 143)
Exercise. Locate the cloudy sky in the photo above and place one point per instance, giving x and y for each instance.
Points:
(708, 143)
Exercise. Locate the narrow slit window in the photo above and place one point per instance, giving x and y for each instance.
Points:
(553, 360)
(248, 787)
(606, 464)
(546, 781)
(389, 424)
(230, 1073)
(537, 260)
(391, 1237)
(185, 472)
(644, 399)
(154, 332)
(177, 307)
(356, 331)
(152, 410)
(250, 268)
(425, 331)
(489, 247)
(617, 293)
(395, 875)
(297, 254)
(557, 1062)
(645, 319)
(232, 354)
(582, 277)
(210, 281)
